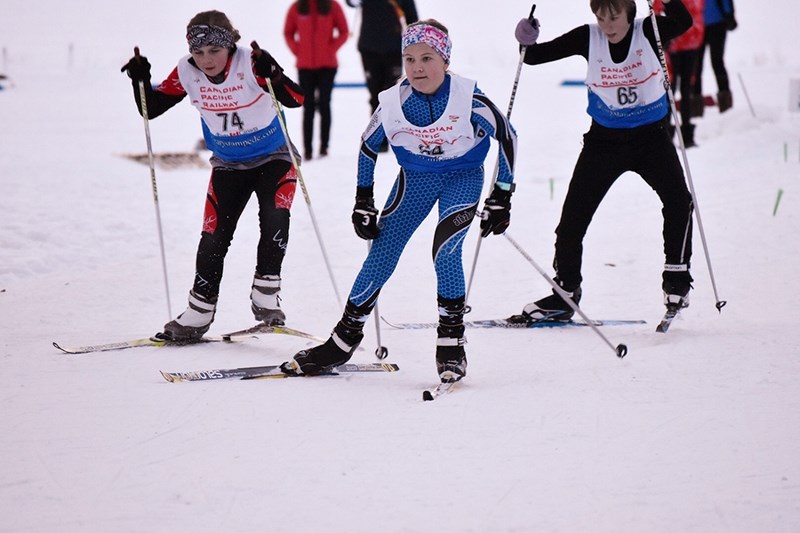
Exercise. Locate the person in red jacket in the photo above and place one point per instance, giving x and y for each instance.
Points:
(683, 54)
(314, 31)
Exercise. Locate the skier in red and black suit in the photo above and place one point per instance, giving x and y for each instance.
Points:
(228, 86)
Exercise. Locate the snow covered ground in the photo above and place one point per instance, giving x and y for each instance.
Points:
(695, 430)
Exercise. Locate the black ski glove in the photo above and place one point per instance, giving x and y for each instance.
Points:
(496, 212)
(266, 66)
(365, 216)
(138, 68)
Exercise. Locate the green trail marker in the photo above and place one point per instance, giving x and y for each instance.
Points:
(777, 202)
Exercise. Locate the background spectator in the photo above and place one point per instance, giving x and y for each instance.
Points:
(382, 24)
(719, 19)
(314, 31)
(683, 56)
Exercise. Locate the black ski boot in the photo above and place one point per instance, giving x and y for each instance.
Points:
(265, 300)
(676, 286)
(337, 350)
(451, 358)
(724, 101)
(193, 323)
(551, 308)
(687, 131)
(339, 347)
(697, 105)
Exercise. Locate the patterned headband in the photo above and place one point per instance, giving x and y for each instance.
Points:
(430, 35)
(204, 35)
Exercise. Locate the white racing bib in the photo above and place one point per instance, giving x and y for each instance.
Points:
(626, 94)
(428, 147)
(239, 120)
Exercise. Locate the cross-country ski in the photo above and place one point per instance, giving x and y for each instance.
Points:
(155, 341)
(271, 371)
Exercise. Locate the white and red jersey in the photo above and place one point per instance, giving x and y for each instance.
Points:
(240, 122)
(626, 94)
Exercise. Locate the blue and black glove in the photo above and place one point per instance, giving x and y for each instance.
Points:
(496, 212)
(365, 216)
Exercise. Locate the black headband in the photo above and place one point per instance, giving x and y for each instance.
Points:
(205, 35)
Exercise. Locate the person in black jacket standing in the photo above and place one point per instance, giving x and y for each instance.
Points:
(382, 25)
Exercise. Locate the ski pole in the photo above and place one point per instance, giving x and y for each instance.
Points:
(151, 160)
(676, 117)
(279, 109)
(497, 163)
(381, 352)
(620, 349)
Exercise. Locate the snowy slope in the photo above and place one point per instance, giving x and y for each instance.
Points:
(693, 431)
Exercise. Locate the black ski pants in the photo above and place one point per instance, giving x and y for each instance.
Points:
(684, 67)
(713, 39)
(228, 193)
(317, 86)
(382, 70)
(608, 153)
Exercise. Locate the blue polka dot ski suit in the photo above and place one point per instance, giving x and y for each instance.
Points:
(414, 194)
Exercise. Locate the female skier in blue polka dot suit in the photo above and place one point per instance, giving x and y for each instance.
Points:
(438, 125)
